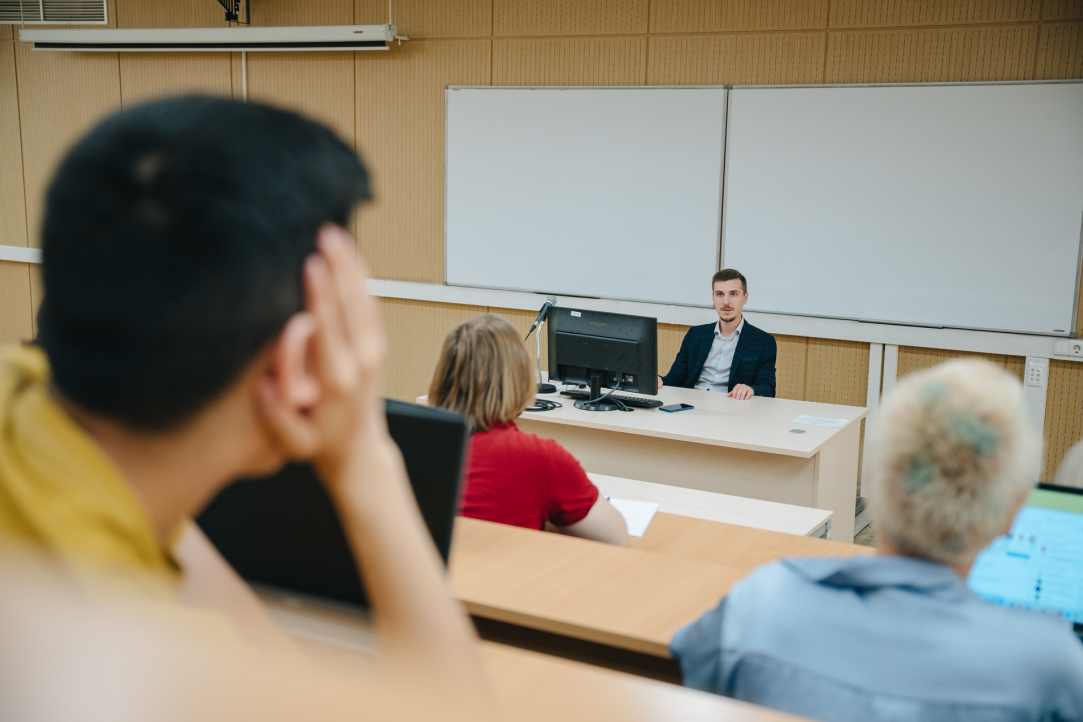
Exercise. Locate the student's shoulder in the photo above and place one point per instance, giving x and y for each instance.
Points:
(512, 439)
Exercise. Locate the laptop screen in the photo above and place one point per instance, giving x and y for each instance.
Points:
(1039, 564)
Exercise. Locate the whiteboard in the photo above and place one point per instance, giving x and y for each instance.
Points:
(947, 205)
(609, 192)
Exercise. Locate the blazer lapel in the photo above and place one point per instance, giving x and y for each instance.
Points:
(738, 353)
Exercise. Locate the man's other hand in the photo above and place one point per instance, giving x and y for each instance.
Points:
(741, 392)
(659, 383)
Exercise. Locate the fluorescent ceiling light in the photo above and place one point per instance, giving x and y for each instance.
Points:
(321, 37)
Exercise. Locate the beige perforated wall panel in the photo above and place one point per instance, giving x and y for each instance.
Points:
(886, 13)
(1062, 10)
(12, 197)
(720, 16)
(915, 359)
(420, 19)
(61, 95)
(590, 61)
(15, 305)
(1063, 419)
(747, 59)
(319, 85)
(416, 331)
(932, 56)
(146, 76)
(527, 18)
(1060, 53)
(172, 14)
(400, 134)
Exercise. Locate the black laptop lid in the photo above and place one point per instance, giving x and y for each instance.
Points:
(283, 531)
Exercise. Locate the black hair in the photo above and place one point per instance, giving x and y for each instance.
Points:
(174, 239)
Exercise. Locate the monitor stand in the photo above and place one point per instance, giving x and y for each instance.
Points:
(594, 403)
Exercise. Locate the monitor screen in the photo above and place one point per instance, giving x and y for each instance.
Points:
(1039, 564)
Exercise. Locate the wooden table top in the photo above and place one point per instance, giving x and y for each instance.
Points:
(523, 682)
(757, 424)
(633, 598)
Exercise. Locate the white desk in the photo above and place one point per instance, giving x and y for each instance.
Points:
(739, 510)
(741, 448)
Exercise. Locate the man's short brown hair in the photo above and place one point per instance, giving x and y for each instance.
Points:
(729, 274)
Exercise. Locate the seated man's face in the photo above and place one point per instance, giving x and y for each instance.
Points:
(729, 299)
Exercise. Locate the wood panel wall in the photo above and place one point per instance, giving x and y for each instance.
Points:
(389, 105)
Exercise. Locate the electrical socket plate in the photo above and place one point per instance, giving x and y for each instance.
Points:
(1068, 347)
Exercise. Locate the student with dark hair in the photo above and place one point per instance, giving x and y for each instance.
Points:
(205, 318)
(731, 355)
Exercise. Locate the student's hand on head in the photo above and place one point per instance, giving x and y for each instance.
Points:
(741, 392)
(345, 418)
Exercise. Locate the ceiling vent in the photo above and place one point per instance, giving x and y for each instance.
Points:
(53, 12)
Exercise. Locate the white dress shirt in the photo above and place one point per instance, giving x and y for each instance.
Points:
(716, 369)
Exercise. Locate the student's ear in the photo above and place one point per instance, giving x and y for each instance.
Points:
(293, 363)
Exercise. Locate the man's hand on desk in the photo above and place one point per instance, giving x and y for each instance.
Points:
(741, 392)
(659, 383)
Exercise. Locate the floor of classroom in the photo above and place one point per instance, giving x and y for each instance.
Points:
(866, 537)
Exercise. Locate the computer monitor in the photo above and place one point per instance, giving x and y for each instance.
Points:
(610, 350)
(282, 531)
(1038, 565)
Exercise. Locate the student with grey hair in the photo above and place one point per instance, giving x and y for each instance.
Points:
(898, 636)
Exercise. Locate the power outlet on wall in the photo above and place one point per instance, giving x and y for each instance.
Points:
(1069, 347)
(1037, 370)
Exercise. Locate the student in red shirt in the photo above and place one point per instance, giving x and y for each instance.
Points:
(484, 373)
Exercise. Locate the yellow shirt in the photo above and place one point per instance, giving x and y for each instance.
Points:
(58, 489)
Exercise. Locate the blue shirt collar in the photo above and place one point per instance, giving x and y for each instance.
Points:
(870, 573)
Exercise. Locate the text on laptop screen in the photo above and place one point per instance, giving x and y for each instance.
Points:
(1039, 564)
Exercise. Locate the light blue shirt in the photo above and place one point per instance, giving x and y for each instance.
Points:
(881, 638)
(715, 375)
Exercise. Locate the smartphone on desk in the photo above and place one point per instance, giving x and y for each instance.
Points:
(677, 407)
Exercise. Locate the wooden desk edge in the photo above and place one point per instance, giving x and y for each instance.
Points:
(575, 631)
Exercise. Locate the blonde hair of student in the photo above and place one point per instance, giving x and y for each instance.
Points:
(484, 373)
(951, 457)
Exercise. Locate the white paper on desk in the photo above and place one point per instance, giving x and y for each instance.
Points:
(817, 421)
(637, 514)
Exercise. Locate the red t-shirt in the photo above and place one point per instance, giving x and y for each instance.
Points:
(519, 479)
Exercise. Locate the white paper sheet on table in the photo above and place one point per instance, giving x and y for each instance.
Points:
(817, 421)
(637, 514)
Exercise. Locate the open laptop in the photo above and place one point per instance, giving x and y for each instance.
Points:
(1039, 564)
(282, 531)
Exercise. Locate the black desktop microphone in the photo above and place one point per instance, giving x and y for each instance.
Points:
(550, 301)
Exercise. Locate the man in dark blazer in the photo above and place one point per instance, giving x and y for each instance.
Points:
(731, 355)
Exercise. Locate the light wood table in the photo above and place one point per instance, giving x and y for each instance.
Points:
(633, 599)
(526, 684)
(710, 506)
(742, 448)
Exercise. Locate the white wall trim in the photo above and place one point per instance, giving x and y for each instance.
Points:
(872, 400)
(20, 254)
(1011, 344)
(891, 369)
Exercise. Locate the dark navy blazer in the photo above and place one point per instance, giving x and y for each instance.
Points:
(753, 359)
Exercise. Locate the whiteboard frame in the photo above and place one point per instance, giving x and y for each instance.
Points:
(1069, 333)
(722, 175)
